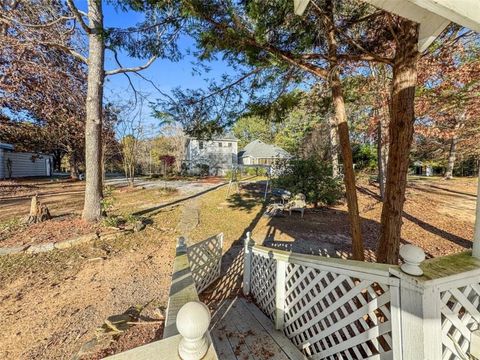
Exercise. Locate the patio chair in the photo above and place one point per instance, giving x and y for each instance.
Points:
(297, 204)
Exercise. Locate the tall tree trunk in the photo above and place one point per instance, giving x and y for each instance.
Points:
(476, 233)
(57, 160)
(452, 154)
(400, 138)
(381, 164)
(333, 145)
(343, 134)
(73, 167)
(93, 127)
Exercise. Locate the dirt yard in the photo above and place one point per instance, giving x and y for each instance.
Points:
(55, 305)
(438, 216)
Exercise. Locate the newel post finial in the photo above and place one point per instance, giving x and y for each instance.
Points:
(412, 256)
(193, 320)
(248, 239)
(181, 245)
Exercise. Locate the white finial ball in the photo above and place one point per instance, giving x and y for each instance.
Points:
(412, 256)
(193, 320)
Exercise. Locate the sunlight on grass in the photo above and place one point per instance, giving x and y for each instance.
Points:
(231, 216)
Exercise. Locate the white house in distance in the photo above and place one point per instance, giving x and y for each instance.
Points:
(23, 164)
(219, 154)
(259, 153)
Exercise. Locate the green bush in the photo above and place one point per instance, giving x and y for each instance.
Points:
(229, 173)
(364, 157)
(311, 177)
(254, 171)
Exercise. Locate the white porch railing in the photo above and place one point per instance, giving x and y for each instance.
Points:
(344, 309)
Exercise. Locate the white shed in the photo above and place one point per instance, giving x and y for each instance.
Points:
(23, 164)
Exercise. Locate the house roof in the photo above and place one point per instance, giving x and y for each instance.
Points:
(226, 136)
(258, 149)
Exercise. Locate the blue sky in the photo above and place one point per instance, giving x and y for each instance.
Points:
(165, 74)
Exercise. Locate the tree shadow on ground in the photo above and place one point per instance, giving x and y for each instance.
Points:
(156, 209)
(467, 244)
(453, 191)
(229, 284)
(322, 231)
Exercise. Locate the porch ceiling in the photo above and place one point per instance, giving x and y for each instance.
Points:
(432, 15)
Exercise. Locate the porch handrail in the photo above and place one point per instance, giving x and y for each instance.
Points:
(332, 307)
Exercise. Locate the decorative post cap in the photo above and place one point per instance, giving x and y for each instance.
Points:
(248, 239)
(193, 320)
(412, 256)
(181, 244)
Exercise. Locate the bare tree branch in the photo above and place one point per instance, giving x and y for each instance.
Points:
(65, 48)
(131, 69)
(79, 16)
(8, 20)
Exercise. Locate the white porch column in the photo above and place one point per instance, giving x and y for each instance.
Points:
(476, 234)
(247, 263)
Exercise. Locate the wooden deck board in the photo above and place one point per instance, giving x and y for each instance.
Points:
(241, 332)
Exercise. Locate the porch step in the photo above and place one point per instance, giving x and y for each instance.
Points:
(241, 331)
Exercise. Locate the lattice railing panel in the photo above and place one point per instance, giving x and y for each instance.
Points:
(336, 316)
(460, 309)
(263, 283)
(205, 260)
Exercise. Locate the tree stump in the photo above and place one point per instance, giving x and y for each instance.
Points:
(38, 212)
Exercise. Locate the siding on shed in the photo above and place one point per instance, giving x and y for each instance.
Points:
(23, 166)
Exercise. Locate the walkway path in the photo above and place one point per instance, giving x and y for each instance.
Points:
(189, 218)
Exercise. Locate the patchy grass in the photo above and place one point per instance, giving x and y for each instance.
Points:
(233, 215)
(127, 200)
(118, 203)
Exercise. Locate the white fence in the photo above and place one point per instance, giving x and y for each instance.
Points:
(205, 260)
(342, 309)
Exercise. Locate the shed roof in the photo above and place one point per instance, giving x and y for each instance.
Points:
(258, 149)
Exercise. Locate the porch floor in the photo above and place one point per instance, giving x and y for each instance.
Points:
(240, 331)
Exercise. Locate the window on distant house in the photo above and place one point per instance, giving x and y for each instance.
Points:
(200, 145)
(229, 144)
(220, 144)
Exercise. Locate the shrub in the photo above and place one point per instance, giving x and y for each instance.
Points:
(253, 171)
(364, 157)
(108, 199)
(229, 173)
(311, 177)
(203, 169)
